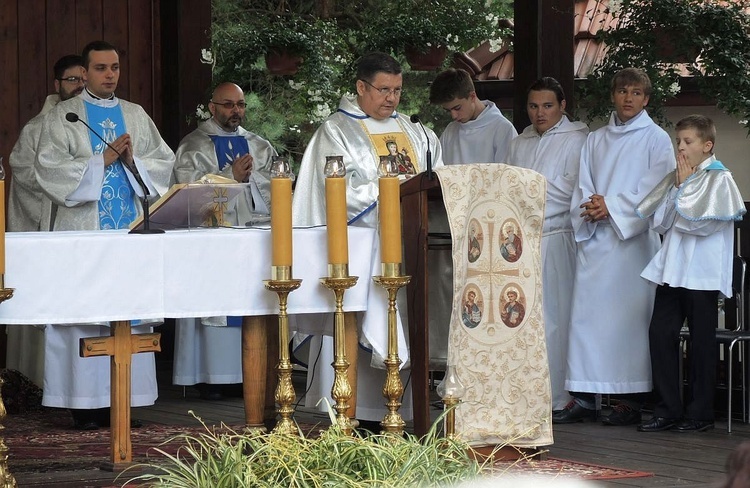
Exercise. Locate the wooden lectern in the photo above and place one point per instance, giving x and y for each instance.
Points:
(416, 194)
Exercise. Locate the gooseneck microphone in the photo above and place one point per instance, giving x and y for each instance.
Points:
(73, 117)
(415, 120)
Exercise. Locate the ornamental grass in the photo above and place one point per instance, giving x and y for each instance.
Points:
(224, 458)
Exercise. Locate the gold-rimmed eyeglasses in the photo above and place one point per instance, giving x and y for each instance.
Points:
(397, 92)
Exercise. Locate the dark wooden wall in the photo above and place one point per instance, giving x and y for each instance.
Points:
(35, 33)
(160, 43)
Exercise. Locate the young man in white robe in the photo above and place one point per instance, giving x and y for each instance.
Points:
(360, 131)
(87, 187)
(551, 145)
(479, 133)
(208, 351)
(25, 351)
(608, 349)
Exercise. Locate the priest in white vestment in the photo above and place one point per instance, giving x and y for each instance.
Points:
(208, 350)
(361, 131)
(608, 349)
(25, 351)
(88, 187)
(551, 145)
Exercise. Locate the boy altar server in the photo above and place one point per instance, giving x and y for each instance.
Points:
(608, 345)
(479, 132)
(694, 207)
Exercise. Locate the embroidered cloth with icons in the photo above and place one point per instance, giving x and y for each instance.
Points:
(496, 338)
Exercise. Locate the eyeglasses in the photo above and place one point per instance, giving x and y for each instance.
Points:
(230, 105)
(397, 92)
(71, 79)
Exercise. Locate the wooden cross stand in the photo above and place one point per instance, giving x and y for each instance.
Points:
(120, 346)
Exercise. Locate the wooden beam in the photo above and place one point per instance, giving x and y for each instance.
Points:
(543, 45)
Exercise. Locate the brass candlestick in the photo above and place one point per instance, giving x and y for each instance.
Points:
(393, 388)
(6, 479)
(451, 390)
(339, 281)
(282, 283)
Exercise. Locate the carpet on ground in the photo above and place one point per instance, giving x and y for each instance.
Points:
(564, 468)
(44, 441)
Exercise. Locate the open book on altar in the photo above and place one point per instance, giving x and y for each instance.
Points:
(209, 202)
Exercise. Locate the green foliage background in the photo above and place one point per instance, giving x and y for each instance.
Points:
(286, 110)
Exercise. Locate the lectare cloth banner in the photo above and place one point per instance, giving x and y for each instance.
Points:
(496, 339)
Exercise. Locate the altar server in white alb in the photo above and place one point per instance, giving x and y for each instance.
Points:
(208, 351)
(88, 188)
(608, 349)
(694, 208)
(479, 132)
(25, 350)
(551, 145)
(365, 128)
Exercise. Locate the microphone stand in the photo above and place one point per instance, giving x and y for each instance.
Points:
(73, 117)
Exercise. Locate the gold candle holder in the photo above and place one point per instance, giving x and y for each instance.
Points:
(6, 479)
(282, 284)
(449, 404)
(339, 281)
(393, 388)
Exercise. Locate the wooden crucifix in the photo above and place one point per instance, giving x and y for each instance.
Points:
(120, 346)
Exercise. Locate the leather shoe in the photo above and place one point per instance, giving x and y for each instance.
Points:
(692, 425)
(573, 413)
(622, 415)
(657, 424)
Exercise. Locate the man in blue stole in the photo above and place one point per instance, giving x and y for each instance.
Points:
(87, 188)
(206, 353)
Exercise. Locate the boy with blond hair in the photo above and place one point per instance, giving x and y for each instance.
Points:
(694, 208)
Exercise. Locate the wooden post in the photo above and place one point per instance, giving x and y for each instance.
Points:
(120, 346)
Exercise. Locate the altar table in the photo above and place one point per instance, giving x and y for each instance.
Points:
(96, 276)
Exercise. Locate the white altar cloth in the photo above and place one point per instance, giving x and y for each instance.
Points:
(98, 276)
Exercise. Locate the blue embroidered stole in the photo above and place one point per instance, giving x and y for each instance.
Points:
(117, 207)
(229, 148)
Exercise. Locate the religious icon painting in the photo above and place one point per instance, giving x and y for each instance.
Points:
(511, 240)
(512, 308)
(472, 306)
(476, 239)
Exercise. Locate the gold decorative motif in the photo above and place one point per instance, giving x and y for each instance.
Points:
(284, 394)
(392, 388)
(341, 391)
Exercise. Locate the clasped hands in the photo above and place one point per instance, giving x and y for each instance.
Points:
(595, 209)
(242, 167)
(122, 149)
(684, 169)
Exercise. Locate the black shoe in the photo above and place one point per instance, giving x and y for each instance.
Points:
(622, 415)
(573, 413)
(209, 392)
(657, 424)
(692, 425)
(85, 419)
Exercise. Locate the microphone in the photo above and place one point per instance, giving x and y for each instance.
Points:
(73, 117)
(415, 120)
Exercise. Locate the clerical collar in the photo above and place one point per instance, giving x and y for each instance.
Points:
(111, 97)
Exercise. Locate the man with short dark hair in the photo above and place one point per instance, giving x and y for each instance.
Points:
(360, 131)
(89, 188)
(25, 350)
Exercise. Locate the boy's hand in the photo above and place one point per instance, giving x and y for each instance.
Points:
(684, 169)
(595, 209)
